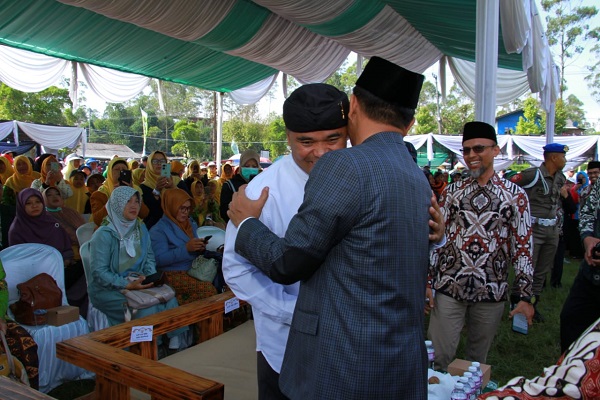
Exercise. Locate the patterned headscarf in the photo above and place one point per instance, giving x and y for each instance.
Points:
(18, 181)
(171, 200)
(125, 228)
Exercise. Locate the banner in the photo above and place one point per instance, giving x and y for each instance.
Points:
(145, 128)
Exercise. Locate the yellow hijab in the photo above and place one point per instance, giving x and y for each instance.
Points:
(171, 200)
(151, 176)
(200, 202)
(8, 172)
(17, 181)
(109, 185)
(137, 175)
(79, 198)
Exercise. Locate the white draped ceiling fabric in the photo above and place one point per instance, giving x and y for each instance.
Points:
(240, 46)
(51, 137)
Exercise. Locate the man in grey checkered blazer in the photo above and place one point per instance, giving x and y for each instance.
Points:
(359, 245)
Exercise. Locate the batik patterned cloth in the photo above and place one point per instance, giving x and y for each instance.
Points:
(576, 376)
(22, 346)
(187, 288)
(487, 228)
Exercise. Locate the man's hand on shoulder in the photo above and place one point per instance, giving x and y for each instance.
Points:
(241, 207)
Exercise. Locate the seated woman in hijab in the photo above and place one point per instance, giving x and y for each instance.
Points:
(80, 197)
(20, 343)
(176, 246)
(21, 179)
(68, 218)
(248, 169)
(121, 246)
(154, 184)
(99, 198)
(51, 176)
(33, 224)
(206, 210)
(6, 169)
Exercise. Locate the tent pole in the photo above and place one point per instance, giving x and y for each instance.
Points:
(486, 60)
(219, 130)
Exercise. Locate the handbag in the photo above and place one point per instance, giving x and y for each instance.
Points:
(203, 269)
(10, 366)
(39, 293)
(144, 298)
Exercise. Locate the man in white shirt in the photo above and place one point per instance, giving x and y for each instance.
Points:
(315, 116)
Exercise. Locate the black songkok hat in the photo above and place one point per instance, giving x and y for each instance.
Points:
(316, 107)
(593, 164)
(391, 83)
(478, 130)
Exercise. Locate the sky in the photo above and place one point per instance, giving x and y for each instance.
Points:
(575, 73)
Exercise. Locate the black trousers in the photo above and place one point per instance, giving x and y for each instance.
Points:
(268, 380)
(559, 259)
(581, 309)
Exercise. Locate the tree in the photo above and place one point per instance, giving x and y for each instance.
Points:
(425, 116)
(529, 123)
(191, 139)
(45, 107)
(594, 76)
(565, 29)
(457, 110)
(276, 138)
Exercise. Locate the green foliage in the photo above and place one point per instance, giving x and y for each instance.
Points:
(593, 77)
(458, 110)
(567, 24)
(45, 107)
(276, 138)
(426, 120)
(192, 139)
(529, 123)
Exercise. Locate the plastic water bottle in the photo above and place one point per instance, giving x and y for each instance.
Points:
(467, 387)
(430, 354)
(458, 393)
(477, 365)
(477, 379)
(471, 381)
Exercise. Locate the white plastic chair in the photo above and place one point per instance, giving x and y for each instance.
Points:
(217, 239)
(22, 262)
(85, 232)
(96, 319)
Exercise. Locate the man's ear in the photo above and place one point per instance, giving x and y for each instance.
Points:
(354, 107)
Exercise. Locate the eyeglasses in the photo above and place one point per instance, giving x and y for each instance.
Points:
(477, 149)
(158, 162)
(184, 209)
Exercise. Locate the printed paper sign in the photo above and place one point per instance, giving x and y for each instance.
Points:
(141, 334)
(232, 304)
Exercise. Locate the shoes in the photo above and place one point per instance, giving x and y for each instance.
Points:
(537, 317)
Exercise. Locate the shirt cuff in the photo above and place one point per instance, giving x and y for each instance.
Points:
(241, 223)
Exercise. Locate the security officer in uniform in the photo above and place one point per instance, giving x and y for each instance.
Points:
(542, 186)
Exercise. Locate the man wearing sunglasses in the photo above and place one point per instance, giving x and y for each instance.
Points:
(487, 229)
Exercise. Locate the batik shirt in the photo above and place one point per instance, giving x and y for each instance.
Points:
(588, 216)
(487, 228)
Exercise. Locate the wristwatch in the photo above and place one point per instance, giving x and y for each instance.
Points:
(155, 192)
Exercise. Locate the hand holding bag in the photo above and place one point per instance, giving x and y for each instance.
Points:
(39, 293)
(144, 298)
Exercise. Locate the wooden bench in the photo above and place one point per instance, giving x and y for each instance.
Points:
(11, 390)
(118, 370)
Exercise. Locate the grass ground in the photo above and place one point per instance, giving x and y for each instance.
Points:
(512, 354)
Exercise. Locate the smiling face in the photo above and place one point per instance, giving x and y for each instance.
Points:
(308, 147)
(481, 164)
(34, 206)
(132, 208)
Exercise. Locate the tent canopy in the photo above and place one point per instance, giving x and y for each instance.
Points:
(224, 45)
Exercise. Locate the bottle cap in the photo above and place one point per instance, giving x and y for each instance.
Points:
(476, 364)
(472, 369)
(459, 385)
(468, 374)
(428, 343)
